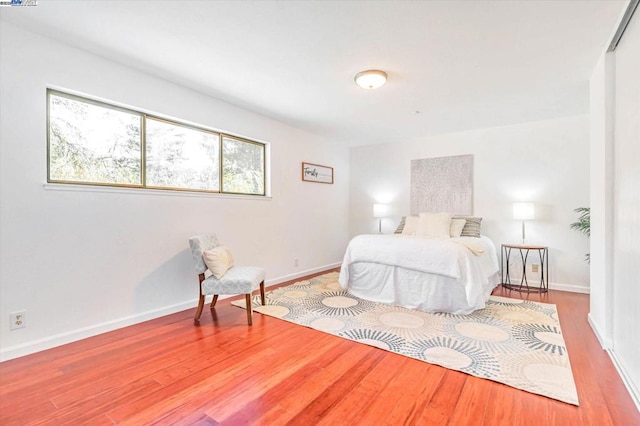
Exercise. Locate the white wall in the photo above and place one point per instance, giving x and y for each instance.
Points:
(83, 262)
(546, 162)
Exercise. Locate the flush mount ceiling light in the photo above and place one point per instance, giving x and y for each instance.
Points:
(371, 79)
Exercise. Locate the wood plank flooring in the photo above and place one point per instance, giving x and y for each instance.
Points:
(168, 371)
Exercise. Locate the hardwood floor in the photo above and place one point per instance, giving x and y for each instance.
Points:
(168, 371)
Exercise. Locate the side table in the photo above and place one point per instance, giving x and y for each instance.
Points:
(523, 249)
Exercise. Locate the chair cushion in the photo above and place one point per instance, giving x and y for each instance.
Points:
(199, 244)
(218, 260)
(237, 280)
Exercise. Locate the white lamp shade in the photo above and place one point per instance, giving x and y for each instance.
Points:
(371, 79)
(379, 210)
(524, 211)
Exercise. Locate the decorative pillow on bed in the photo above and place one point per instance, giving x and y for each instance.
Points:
(456, 227)
(410, 225)
(400, 225)
(218, 260)
(472, 227)
(436, 225)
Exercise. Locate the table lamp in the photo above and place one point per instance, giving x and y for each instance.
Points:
(379, 211)
(523, 212)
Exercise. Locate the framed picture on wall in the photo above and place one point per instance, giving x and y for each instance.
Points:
(317, 173)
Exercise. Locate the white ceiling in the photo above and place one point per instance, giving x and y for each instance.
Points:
(452, 65)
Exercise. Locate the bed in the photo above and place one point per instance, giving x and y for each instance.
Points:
(454, 275)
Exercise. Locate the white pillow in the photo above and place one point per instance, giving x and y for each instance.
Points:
(218, 260)
(456, 227)
(437, 225)
(410, 225)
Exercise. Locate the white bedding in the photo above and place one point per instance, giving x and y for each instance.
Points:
(453, 275)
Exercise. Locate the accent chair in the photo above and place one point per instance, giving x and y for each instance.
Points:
(236, 280)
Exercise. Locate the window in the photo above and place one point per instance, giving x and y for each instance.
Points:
(92, 142)
(242, 166)
(182, 157)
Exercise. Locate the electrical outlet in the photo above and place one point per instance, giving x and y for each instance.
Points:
(534, 267)
(17, 320)
(296, 262)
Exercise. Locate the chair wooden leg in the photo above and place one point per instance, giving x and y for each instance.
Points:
(196, 320)
(262, 292)
(249, 310)
(213, 302)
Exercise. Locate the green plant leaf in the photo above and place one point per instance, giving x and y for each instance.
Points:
(583, 224)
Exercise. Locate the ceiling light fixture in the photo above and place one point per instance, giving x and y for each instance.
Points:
(371, 79)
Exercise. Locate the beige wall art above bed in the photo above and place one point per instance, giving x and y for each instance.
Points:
(443, 184)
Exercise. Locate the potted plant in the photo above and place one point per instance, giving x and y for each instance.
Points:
(583, 224)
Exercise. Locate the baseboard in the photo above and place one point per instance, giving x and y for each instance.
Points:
(573, 288)
(570, 287)
(626, 379)
(82, 333)
(604, 342)
(34, 346)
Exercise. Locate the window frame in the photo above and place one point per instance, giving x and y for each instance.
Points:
(143, 148)
(102, 105)
(264, 163)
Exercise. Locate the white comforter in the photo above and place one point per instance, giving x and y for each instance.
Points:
(469, 262)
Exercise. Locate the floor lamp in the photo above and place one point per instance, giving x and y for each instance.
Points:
(379, 211)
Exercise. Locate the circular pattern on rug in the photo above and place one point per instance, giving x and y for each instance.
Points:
(379, 339)
(330, 285)
(295, 294)
(520, 314)
(392, 319)
(326, 282)
(335, 303)
(318, 321)
(327, 324)
(273, 310)
(300, 284)
(449, 357)
(484, 332)
(401, 320)
(339, 302)
(539, 336)
(545, 308)
(456, 355)
(489, 333)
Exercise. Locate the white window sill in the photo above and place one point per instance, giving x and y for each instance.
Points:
(145, 191)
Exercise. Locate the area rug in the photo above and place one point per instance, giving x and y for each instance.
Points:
(511, 341)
